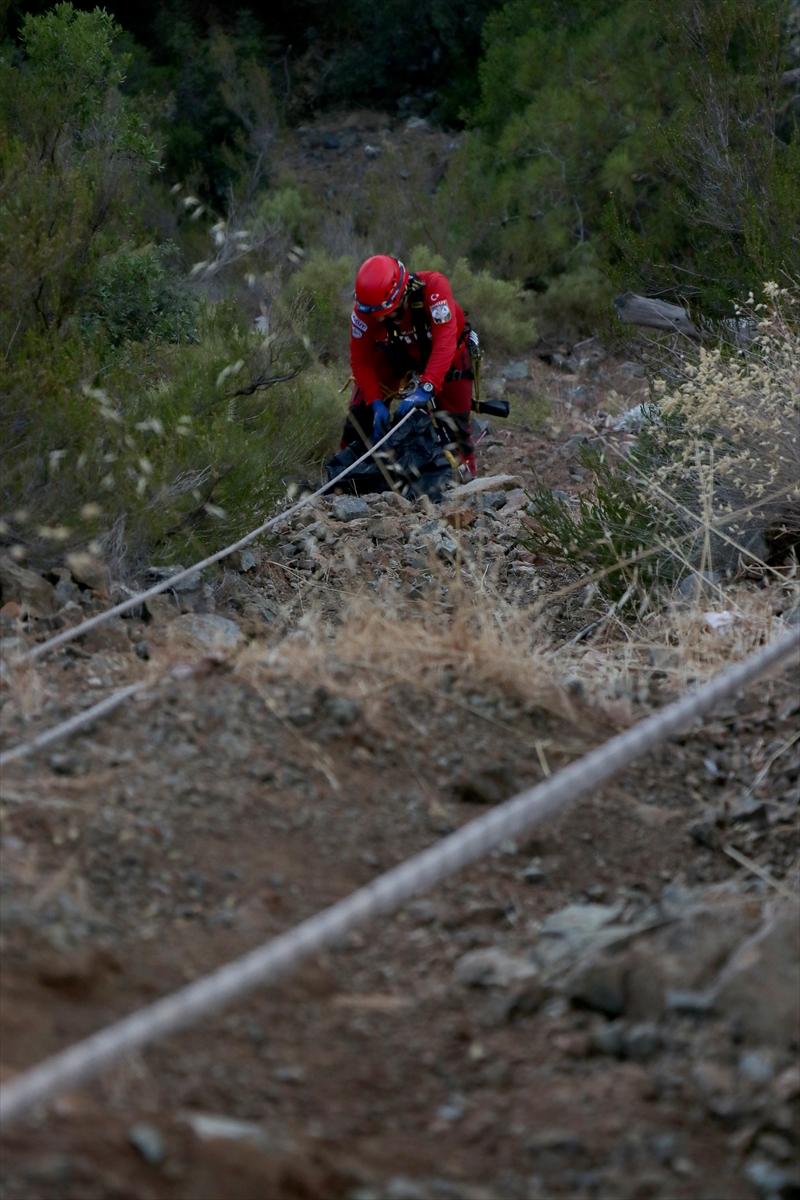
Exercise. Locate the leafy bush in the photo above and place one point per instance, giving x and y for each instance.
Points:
(712, 480)
(70, 151)
(158, 438)
(323, 287)
(118, 382)
(496, 308)
(655, 145)
(612, 531)
(137, 295)
(289, 210)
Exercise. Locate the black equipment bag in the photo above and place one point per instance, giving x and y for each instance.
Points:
(413, 461)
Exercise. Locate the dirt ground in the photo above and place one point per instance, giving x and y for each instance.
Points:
(247, 789)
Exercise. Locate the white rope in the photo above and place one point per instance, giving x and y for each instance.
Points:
(72, 723)
(270, 961)
(77, 630)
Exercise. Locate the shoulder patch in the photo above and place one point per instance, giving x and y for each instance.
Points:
(440, 313)
(358, 323)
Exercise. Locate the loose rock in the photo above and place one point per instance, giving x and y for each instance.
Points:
(149, 1142)
(217, 633)
(34, 595)
(349, 508)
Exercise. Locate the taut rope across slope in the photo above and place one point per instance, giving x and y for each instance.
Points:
(275, 958)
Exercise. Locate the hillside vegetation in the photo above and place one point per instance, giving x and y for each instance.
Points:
(174, 298)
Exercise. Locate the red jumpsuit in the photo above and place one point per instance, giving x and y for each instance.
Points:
(382, 354)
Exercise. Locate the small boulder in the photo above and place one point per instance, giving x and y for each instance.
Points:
(485, 483)
(515, 370)
(89, 570)
(211, 631)
(149, 1143)
(190, 584)
(349, 508)
(760, 987)
(492, 968)
(34, 595)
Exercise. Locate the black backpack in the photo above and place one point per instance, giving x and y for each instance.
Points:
(413, 462)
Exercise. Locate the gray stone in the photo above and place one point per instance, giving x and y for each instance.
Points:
(67, 592)
(493, 500)
(601, 986)
(516, 370)
(574, 930)
(557, 1141)
(757, 1066)
(748, 809)
(492, 968)
(399, 1188)
(760, 987)
(216, 633)
(608, 1039)
(342, 709)
(242, 560)
(698, 1003)
(34, 595)
(642, 1042)
(534, 873)
(485, 483)
(699, 585)
(663, 1146)
(149, 1142)
(88, 570)
(190, 584)
(704, 830)
(349, 508)
(653, 970)
(767, 1179)
(208, 1126)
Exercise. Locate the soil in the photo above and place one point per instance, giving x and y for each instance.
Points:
(246, 790)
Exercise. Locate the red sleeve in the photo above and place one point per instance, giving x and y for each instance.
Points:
(439, 303)
(362, 358)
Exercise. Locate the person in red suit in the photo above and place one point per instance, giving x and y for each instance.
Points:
(408, 327)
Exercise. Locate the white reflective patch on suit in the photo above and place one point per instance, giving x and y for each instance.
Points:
(440, 313)
(356, 332)
(358, 323)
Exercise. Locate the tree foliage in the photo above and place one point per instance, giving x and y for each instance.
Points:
(614, 135)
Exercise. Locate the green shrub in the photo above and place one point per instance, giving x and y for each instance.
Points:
(158, 438)
(288, 210)
(576, 303)
(70, 153)
(138, 295)
(612, 531)
(655, 145)
(711, 481)
(321, 293)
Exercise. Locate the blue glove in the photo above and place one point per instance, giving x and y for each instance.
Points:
(419, 398)
(380, 419)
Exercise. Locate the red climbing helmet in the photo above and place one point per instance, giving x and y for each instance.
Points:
(380, 284)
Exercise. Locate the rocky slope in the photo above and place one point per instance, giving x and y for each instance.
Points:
(606, 1009)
